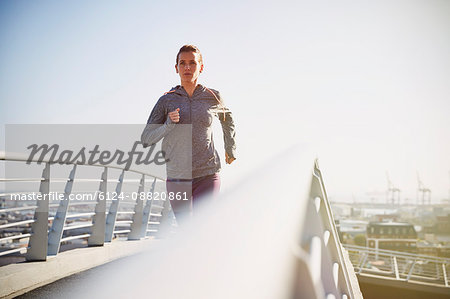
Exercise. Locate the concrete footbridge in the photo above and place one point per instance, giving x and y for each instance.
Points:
(273, 236)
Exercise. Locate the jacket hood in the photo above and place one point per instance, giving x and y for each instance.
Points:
(181, 91)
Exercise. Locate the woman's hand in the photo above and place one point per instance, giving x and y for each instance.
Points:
(175, 115)
(228, 159)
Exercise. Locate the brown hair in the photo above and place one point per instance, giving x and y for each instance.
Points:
(190, 48)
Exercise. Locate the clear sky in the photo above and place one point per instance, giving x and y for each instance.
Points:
(366, 84)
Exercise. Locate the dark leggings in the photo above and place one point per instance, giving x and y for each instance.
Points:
(193, 190)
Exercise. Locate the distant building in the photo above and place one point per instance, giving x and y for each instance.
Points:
(352, 227)
(443, 251)
(427, 248)
(442, 224)
(438, 235)
(392, 236)
(438, 250)
(386, 217)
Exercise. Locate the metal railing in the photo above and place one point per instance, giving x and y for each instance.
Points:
(321, 248)
(272, 236)
(41, 234)
(399, 265)
(307, 253)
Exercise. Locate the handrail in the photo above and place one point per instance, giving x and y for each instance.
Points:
(400, 266)
(23, 157)
(397, 253)
(21, 179)
(266, 238)
(79, 215)
(69, 227)
(15, 237)
(17, 223)
(75, 237)
(20, 249)
(24, 208)
(38, 248)
(299, 247)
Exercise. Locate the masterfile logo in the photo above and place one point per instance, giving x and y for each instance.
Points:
(117, 147)
(52, 154)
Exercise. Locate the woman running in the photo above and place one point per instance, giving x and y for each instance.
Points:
(182, 117)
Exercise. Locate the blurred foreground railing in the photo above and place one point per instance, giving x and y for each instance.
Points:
(37, 228)
(321, 248)
(400, 266)
(272, 237)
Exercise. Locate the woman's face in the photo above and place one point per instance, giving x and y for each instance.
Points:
(189, 67)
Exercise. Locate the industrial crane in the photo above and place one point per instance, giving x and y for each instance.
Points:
(392, 192)
(423, 192)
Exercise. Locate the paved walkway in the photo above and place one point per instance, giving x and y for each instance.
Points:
(17, 279)
(72, 285)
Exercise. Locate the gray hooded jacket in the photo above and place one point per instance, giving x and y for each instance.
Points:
(188, 145)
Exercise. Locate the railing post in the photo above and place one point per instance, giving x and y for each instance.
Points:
(165, 222)
(112, 214)
(394, 259)
(136, 225)
(376, 249)
(444, 272)
(363, 262)
(147, 211)
(56, 232)
(37, 245)
(97, 237)
(438, 271)
(410, 270)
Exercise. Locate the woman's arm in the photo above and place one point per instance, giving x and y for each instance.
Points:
(158, 125)
(229, 134)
